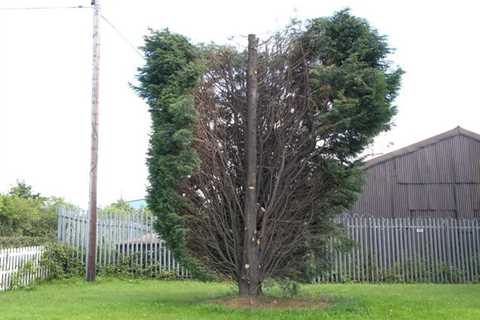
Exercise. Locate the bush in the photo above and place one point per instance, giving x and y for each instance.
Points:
(24, 213)
(287, 287)
(23, 241)
(62, 261)
(133, 265)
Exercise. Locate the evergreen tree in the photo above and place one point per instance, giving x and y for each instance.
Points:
(326, 89)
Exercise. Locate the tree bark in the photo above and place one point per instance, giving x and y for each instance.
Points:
(249, 282)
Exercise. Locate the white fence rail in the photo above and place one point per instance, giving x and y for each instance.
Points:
(20, 266)
(120, 237)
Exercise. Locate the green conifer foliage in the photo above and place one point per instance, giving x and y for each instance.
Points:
(166, 81)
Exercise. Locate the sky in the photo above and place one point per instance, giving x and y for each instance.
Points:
(45, 79)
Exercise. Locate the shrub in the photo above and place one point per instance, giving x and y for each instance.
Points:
(287, 287)
(23, 241)
(62, 261)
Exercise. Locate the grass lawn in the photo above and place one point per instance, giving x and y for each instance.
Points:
(152, 299)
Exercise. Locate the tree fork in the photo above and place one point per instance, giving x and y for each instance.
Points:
(249, 283)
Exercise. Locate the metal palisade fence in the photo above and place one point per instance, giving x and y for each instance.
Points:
(20, 267)
(382, 249)
(406, 250)
(121, 238)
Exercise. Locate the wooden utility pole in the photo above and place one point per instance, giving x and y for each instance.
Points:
(92, 229)
(250, 273)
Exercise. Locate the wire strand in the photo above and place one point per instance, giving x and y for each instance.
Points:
(121, 35)
(44, 8)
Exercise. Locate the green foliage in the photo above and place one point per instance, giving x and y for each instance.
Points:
(23, 190)
(283, 287)
(30, 217)
(62, 261)
(22, 216)
(166, 81)
(132, 266)
(319, 261)
(23, 241)
(414, 270)
(26, 216)
(119, 207)
(355, 78)
(424, 272)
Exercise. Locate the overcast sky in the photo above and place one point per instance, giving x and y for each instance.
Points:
(45, 70)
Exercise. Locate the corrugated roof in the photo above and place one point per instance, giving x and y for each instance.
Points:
(422, 144)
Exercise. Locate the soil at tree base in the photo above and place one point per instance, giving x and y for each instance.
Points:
(265, 302)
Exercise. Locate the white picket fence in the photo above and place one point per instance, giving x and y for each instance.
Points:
(20, 266)
(119, 236)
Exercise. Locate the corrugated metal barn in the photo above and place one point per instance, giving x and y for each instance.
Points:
(437, 177)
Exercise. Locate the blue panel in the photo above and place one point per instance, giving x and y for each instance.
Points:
(137, 204)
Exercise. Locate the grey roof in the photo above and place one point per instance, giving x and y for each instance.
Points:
(422, 144)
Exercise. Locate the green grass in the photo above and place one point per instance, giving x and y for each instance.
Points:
(151, 299)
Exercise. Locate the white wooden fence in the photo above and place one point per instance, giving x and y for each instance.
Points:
(120, 237)
(406, 250)
(20, 266)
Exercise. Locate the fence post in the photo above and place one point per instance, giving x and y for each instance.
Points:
(382, 245)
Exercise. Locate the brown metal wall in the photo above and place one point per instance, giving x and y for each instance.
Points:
(439, 180)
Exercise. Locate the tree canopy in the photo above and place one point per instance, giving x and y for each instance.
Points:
(26, 217)
(325, 90)
(119, 206)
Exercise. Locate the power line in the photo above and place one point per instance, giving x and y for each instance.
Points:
(45, 8)
(124, 38)
(121, 35)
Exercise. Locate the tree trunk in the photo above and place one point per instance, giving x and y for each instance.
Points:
(247, 290)
(248, 284)
(243, 287)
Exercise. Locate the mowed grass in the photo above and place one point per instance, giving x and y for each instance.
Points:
(152, 299)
